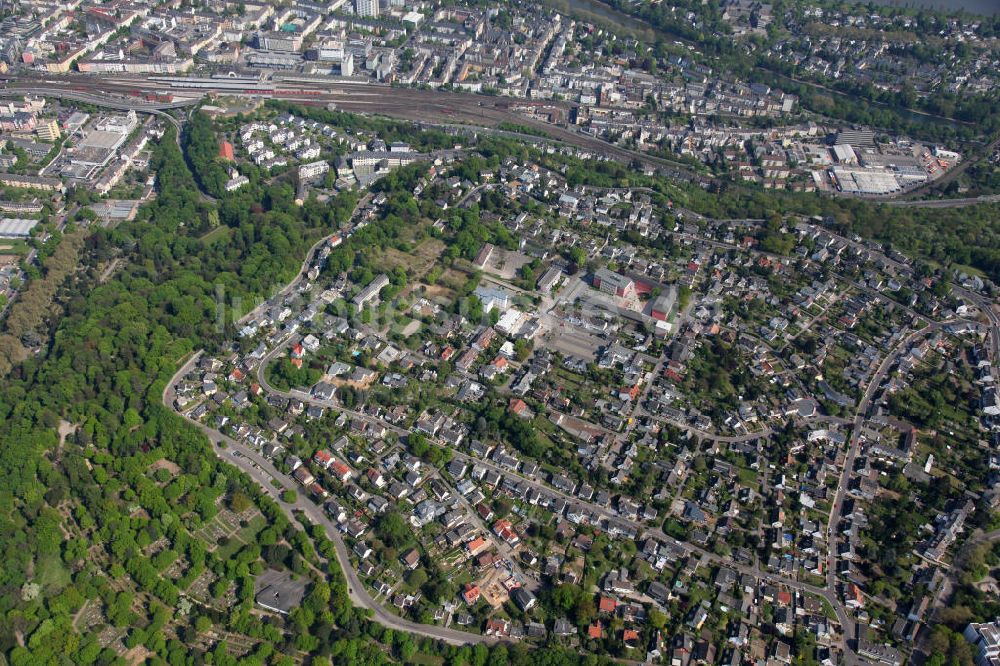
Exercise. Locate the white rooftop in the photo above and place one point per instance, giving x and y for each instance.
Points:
(16, 228)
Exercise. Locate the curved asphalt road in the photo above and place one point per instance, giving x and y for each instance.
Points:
(263, 472)
(827, 593)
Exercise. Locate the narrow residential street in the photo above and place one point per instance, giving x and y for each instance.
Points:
(263, 472)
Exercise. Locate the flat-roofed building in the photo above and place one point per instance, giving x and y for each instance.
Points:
(985, 639)
(612, 283)
(76, 121)
(844, 154)
(313, 169)
(367, 8)
(16, 228)
(48, 130)
(371, 291)
(276, 591)
(664, 304)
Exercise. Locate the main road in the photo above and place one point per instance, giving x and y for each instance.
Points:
(853, 446)
(264, 473)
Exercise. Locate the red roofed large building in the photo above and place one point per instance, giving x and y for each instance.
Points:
(595, 631)
(855, 599)
(341, 471)
(607, 605)
(323, 458)
(471, 594)
(477, 545)
(226, 151)
(505, 530)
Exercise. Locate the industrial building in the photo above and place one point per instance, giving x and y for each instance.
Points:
(863, 181)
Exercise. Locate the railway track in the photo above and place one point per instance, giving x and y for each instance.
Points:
(414, 104)
(405, 103)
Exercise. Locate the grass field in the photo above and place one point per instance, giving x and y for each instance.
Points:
(51, 574)
(453, 279)
(216, 234)
(11, 246)
(256, 524)
(418, 262)
(747, 476)
(968, 270)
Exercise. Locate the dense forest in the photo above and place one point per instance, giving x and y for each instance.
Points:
(114, 347)
(25, 322)
(201, 148)
(949, 117)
